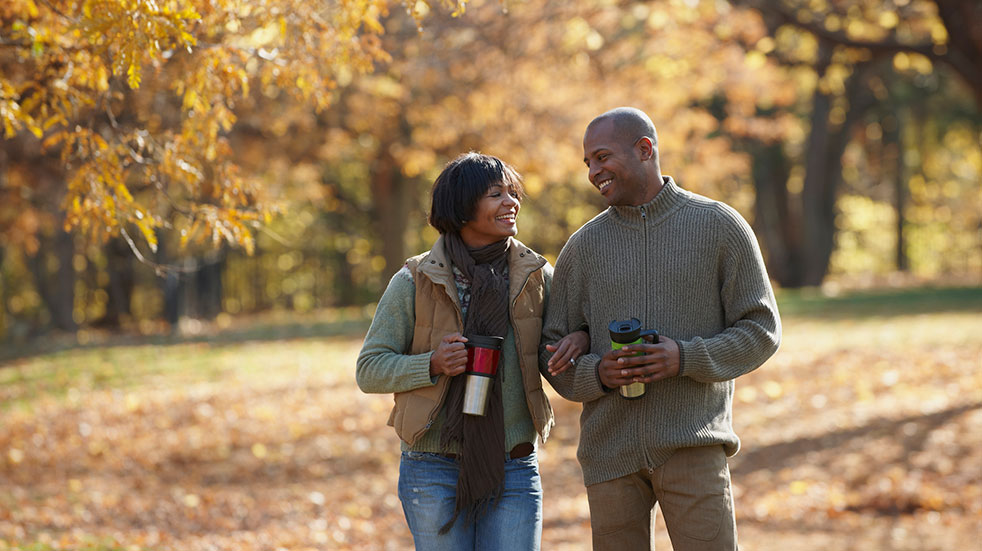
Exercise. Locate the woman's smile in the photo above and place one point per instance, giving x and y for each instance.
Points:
(495, 217)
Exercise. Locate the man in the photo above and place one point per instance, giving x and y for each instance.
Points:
(689, 267)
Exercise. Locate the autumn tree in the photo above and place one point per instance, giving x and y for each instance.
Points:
(116, 115)
(845, 50)
(522, 84)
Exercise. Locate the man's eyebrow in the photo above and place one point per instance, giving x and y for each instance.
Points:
(594, 152)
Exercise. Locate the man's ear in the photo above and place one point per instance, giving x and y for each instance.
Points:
(645, 148)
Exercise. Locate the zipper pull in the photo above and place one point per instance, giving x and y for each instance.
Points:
(643, 215)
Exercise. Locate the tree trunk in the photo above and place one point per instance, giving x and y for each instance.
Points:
(775, 222)
(823, 169)
(893, 139)
(122, 280)
(207, 287)
(391, 199)
(817, 192)
(56, 285)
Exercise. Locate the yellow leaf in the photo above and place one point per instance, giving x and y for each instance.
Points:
(133, 75)
(54, 139)
(148, 233)
(53, 120)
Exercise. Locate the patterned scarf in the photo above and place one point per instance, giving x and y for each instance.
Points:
(480, 440)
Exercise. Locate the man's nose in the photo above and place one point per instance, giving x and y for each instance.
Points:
(593, 169)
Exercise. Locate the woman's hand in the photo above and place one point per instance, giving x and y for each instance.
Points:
(567, 350)
(450, 357)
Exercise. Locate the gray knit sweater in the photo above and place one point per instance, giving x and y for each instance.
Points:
(691, 268)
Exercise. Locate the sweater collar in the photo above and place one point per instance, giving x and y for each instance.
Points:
(670, 198)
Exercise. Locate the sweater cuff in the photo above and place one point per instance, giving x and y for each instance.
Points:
(590, 387)
(419, 369)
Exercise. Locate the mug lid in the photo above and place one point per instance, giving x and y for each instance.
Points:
(484, 341)
(625, 331)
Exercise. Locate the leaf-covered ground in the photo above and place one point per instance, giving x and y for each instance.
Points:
(862, 433)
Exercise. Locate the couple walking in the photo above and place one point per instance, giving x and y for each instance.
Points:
(676, 261)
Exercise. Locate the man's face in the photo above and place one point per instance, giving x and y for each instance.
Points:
(614, 165)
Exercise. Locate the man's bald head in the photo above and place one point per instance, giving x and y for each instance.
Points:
(630, 123)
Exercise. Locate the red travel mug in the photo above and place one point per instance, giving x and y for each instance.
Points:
(483, 353)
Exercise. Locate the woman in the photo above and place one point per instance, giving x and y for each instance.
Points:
(467, 479)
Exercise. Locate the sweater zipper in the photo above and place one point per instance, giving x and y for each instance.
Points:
(644, 259)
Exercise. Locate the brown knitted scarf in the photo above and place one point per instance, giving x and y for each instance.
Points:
(480, 440)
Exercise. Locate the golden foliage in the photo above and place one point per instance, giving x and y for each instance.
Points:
(139, 96)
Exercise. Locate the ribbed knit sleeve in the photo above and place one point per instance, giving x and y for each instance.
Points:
(753, 326)
(383, 365)
(564, 314)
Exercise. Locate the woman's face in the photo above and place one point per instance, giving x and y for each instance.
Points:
(495, 216)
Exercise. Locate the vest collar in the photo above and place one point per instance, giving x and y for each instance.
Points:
(522, 261)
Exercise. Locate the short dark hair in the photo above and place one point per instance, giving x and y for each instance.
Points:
(462, 183)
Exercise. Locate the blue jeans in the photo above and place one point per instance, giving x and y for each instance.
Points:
(428, 489)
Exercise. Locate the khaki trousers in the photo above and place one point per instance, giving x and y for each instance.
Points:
(693, 488)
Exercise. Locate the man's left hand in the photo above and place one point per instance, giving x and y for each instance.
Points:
(658, 361)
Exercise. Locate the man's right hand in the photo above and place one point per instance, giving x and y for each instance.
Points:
(450, 357)
(613, 374)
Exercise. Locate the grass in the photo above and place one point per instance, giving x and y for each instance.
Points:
(211, 353)
(879, 302)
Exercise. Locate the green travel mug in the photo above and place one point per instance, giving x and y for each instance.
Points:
(623, 333)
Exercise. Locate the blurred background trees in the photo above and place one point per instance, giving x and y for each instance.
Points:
(186, 159)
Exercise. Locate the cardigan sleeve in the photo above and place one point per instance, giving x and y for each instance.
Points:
(753, 325)
(384, 364)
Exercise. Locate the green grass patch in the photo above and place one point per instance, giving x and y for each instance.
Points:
(879, 302)
(127, 367)
(93, 545)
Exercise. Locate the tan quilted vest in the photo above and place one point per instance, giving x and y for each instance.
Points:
(438, 314)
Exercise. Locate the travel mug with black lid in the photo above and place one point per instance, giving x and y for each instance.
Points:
(623, 333)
